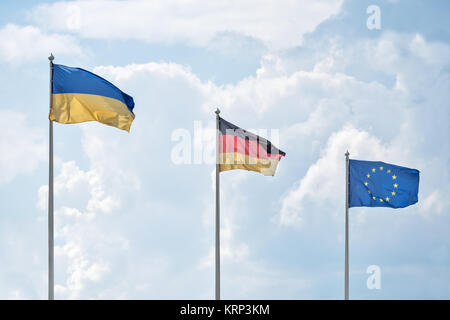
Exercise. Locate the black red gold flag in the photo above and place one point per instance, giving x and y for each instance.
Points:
(241, 149)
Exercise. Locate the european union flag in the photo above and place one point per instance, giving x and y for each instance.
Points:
(379, 184)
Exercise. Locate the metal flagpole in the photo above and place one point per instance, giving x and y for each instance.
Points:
(217, 207)
(50, 195)
(346, 223)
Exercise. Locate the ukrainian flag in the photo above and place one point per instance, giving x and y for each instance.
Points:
(79, 95)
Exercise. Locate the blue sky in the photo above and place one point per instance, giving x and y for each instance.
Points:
(133, 224)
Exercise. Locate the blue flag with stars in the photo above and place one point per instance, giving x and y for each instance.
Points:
(379, 184)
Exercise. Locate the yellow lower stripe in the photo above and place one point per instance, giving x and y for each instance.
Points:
(77, 107)
(230, 161)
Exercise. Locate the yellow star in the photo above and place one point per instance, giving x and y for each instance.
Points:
(387, 199)
(393, 193)
(366, 183)
(394, 177)
(381, 200)
(381, 168)
(368, 175)
(389, 171)
(374, 198)
(395, 185)
(373, 170)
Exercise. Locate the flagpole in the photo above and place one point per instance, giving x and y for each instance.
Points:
(346, 224)
(50, 196)
(217, 207)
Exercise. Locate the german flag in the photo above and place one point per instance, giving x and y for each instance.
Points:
(240, 149)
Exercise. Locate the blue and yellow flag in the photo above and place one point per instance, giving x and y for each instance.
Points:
(379, 184)
(79, 95)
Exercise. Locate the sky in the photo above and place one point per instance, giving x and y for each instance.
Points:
(133, 221)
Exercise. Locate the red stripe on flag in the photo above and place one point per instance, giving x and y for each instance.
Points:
(231, 143)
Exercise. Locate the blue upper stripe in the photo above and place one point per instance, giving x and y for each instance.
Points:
(77, 80)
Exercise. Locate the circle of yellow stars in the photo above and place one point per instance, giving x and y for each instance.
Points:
(394, 185)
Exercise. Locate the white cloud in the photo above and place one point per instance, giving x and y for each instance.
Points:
(383, 118)
(232, 250)
(278, 24)
(16, 295)
(389, 118)
(78, 186)
(322, 112)
(324, 180)
(433, 202)
(22, 147)
(167, 71)
(78, 228)
(25, 43)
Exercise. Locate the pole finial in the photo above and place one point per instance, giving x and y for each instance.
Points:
(217, 111)
(51, 58)
(347, 154)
